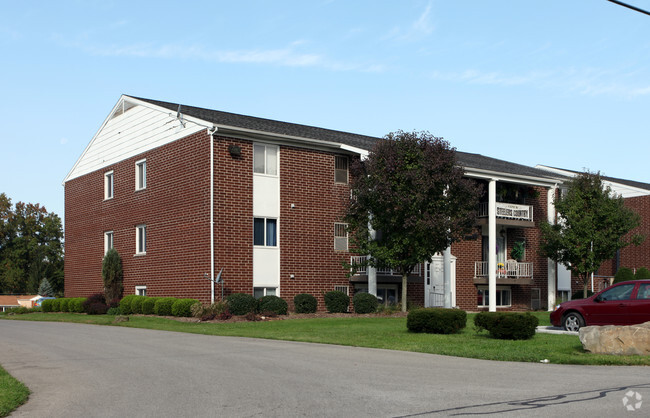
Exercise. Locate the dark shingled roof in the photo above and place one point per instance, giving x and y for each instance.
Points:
(466, 160)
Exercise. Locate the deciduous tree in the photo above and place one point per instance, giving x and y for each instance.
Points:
(413, 193)
(592, 225)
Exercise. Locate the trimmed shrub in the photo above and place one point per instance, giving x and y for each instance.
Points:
(182, 307)
(113, 311)
(365, 303)
(136, 304)
(95, 304)
(63, 304)
(125, 304)
(241, 303)
(642, 274)
(273, 304)
(163, 306)
(623, 274)
(148, 305)
(337, 301)
(46, 305)
(56, 305)
(507, 325)
(305, 303)
(436, 320)
(19, 310)
(76, 305)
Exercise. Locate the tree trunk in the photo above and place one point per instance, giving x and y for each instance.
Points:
(404, 279)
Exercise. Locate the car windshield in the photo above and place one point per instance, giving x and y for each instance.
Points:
(622, 292)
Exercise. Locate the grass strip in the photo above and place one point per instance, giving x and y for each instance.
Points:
(377, 332)
(12, 393)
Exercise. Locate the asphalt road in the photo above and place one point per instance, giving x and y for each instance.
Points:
(77, 370)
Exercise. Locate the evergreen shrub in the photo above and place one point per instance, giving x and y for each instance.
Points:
(125, 304)
(182, 307)
(305, 303)
(163, 306)
(241, 303)
(436, 320)
(46, 305)
(623, 274)
(148, 305)
(75, 305)
(365, 303)
(337, 301)
(136, 304)
(507, 325)
(64, 305)
(273, 304)
(642, 274)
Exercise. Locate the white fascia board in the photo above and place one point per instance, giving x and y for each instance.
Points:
(362, 152)
(511, 178)
(110, 115)
(621, 189)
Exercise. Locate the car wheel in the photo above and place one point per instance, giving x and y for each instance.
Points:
(573, 321)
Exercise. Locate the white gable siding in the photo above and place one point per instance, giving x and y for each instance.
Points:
(123, 136)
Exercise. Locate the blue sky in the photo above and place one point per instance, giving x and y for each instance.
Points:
(555, 82)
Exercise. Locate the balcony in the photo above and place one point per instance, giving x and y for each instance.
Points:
(356, 260)
(509, 214)
(512, 272)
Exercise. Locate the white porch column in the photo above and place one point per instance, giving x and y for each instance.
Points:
(552, 265)
(371, 270)
(492, 245)
(446, 262)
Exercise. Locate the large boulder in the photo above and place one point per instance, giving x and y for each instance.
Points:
(615, 339)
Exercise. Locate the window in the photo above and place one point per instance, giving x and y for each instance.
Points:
(258, 292)
(504, 296)
(265, 159)
(141, 175)
(108, 241)
(386, 293)
(341, 169)
(141, 290)
(644, 292)
(141, 239)
(108, 185)
(622, 292)
(340, 237)
(265, 232)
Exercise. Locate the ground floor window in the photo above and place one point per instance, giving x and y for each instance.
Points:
(386, 293)
(503, 296)
(258, 292)
(563, 295)
(141, 290)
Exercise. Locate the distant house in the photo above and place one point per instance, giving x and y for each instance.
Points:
(636, 196)
(15, 301)
(183, 192)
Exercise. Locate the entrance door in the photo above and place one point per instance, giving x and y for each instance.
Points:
(434, 282)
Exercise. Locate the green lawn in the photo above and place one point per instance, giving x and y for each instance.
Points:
(376, 332)
(12, 393)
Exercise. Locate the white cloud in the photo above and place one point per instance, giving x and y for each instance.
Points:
(420, 28)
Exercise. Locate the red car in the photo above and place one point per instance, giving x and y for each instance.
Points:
(624, 303)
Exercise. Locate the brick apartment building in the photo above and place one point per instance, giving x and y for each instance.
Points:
(183, 193)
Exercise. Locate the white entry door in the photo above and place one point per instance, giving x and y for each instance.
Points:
(434, 282)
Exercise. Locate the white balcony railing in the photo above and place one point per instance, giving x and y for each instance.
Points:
(508, 211)
(356, 261)
(510, 269)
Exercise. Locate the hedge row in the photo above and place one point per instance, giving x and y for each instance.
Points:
(436, 320)
(63, 305)
(507, 325)
(242, 304)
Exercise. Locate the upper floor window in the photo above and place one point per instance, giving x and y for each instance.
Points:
(340, 237)
(141, 239)
(341, 169)
(108, 185)
(265, 232)
(141, 175)
(108, 241)
(265, 159)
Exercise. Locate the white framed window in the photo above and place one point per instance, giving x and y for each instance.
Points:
(141, 290)
(258, 292)
(387, 294)
(265, 232)
(265, 159)
(141, 239)
(340, 237)
(108, 185)
(140, 174)
(503, 296)
(341, 169)
(108, 241)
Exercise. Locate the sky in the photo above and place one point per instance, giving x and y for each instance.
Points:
(554, 82)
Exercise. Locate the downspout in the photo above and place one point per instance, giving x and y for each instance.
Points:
(212, 132)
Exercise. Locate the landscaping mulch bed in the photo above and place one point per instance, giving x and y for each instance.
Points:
(292, 315)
